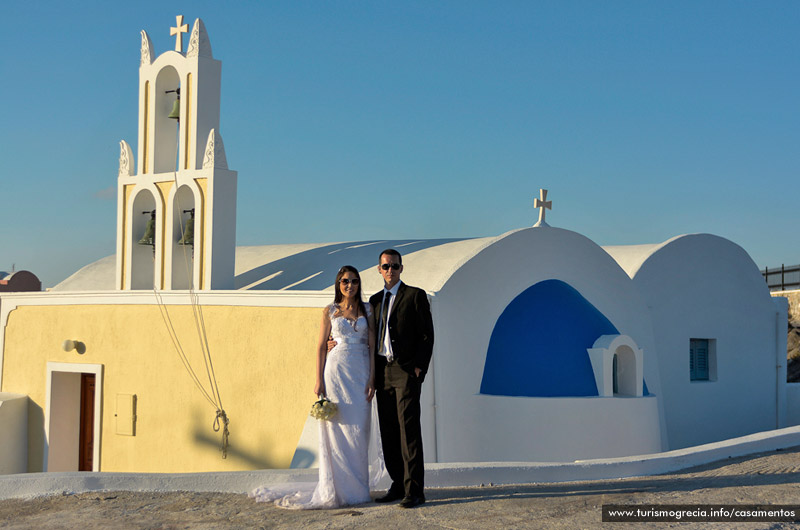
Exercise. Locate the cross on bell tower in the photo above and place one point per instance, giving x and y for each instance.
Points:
(178, 31)
(543, 204)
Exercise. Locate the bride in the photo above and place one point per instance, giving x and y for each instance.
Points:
(346, 376)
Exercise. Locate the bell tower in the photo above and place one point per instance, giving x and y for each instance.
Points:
(176, 201)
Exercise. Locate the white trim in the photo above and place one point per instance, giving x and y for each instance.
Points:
(141, 297)
(97, 370)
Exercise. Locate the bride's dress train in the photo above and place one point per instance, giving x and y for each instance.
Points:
(345, 470)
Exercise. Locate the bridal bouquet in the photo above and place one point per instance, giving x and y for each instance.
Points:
(324, 409)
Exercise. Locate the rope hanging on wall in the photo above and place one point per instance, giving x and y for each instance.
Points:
(212, 395)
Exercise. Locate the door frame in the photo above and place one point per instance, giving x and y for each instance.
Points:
(97, 370)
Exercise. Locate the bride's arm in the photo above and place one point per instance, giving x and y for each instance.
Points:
(322, 351)
(370, 390)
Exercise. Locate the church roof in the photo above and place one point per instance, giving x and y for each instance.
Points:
(632, 257)
(312, 267)
(428, 263)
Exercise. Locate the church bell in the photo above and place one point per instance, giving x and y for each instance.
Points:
(188, 232)
(150, 230)
(176, 106)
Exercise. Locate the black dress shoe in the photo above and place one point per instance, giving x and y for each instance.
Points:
(411, 501)
(389, 497)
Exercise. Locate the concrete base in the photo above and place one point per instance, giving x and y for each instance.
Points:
(436, 475)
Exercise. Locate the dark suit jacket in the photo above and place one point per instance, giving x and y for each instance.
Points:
(410, 328)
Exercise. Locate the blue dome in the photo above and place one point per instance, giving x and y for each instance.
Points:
(538, 345)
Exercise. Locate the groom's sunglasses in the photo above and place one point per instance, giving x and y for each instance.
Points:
(348, 281)
(393, 266)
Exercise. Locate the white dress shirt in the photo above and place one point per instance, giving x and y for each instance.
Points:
(386, 347)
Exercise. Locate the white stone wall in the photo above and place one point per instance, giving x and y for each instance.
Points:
(473, 427)
(14, 433)
(704, 286)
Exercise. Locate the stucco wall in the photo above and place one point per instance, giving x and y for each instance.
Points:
(471, 426)
(706, 287)
(13, 435)
(263, 358)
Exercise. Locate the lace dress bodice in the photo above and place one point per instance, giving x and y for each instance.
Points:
(349, 334)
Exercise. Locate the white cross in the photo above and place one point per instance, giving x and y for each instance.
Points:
(178, 32)
(543, 204)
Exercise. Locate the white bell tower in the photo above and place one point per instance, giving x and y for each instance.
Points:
(180, 179)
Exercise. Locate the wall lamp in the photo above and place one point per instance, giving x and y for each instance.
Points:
(78, 346)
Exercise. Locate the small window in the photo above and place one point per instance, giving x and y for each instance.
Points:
(702, 360)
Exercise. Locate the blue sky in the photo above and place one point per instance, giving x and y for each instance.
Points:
(644, 119)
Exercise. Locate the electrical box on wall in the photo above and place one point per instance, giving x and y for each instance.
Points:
(126, 414)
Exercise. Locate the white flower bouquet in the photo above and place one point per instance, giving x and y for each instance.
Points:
(324, 409)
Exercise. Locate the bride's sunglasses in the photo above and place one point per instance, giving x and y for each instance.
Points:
(348, 281)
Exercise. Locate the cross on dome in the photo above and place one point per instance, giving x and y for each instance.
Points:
(178, 32)
(543, 204)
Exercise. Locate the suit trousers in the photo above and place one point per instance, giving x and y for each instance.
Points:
(398, 394)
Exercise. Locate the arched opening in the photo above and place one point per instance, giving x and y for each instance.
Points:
(143, 255)
(182, 243)
(166, 137)
(624, 371)
(617, 363)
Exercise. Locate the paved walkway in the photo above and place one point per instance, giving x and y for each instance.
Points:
(766, 478)
(762, 469)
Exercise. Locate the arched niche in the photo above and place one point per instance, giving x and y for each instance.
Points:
(142, 272)
(625, 371)
(617, 365)
(183, 264)
(165, 135)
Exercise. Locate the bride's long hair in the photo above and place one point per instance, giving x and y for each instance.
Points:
(339, 296)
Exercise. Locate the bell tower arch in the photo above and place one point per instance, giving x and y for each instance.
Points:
(181, 164)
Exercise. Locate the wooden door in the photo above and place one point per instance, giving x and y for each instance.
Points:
(86, 457)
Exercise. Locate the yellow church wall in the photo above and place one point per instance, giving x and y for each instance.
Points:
(263, 358)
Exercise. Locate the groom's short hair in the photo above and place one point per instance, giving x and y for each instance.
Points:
(391, 252)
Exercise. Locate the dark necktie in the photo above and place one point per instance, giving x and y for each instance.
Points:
(387, 296)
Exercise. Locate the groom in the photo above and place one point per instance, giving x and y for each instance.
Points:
(403, 349)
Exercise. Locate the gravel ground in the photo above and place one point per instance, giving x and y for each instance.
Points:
(765, 478)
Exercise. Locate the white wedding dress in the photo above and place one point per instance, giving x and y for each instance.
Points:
(344, 441)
